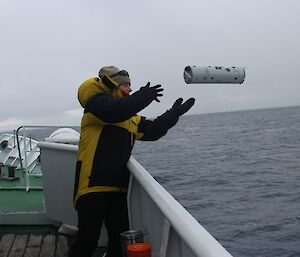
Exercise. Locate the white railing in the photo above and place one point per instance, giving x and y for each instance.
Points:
(171, 229)
(27, 154)
(21, 153)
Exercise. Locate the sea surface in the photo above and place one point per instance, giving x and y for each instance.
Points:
(237, 173)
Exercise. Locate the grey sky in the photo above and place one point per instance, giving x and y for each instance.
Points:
(49, 47)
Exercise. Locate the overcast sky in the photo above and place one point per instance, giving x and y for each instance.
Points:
(48, 48)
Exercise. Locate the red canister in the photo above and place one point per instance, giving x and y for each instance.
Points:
(139, 250)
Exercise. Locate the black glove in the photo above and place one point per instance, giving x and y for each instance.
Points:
(152, 92)
(180, 108)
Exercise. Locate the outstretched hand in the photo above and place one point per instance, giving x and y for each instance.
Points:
(181, 108)
(154, 91)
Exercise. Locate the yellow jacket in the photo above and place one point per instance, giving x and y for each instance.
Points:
(109, 128)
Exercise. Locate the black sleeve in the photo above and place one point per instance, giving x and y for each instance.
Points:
(110, 109)
(153, 130)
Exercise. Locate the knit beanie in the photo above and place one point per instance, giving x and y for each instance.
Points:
(120, 76)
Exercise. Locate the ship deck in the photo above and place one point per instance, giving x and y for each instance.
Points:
(14, 198)
(29, 240)
(18, 241)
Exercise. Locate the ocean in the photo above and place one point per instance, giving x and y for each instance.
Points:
(237, 173)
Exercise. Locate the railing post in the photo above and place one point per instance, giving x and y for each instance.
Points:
(165, 239)
(14, 138)
(25, 161)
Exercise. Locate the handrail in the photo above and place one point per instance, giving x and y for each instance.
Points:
(193, 234)
(24, 135)
(18, 145)
(26, 180)
(58, 146)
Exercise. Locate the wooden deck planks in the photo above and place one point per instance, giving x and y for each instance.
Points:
(48, 246)
(19, 246)
(6, 242)
(34, 245)
(62, 246)
(35, 240)
(32, 252)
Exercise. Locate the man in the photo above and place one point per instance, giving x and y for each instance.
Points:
(109, 127)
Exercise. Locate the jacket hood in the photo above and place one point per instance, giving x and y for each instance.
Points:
(94, 86)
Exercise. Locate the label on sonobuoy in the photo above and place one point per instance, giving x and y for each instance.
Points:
(213, 75)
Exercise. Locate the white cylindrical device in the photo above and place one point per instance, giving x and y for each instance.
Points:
(213, 74)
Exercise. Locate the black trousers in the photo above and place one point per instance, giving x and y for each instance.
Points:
(93, 209)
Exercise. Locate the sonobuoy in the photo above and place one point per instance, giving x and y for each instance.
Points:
(213, 75)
